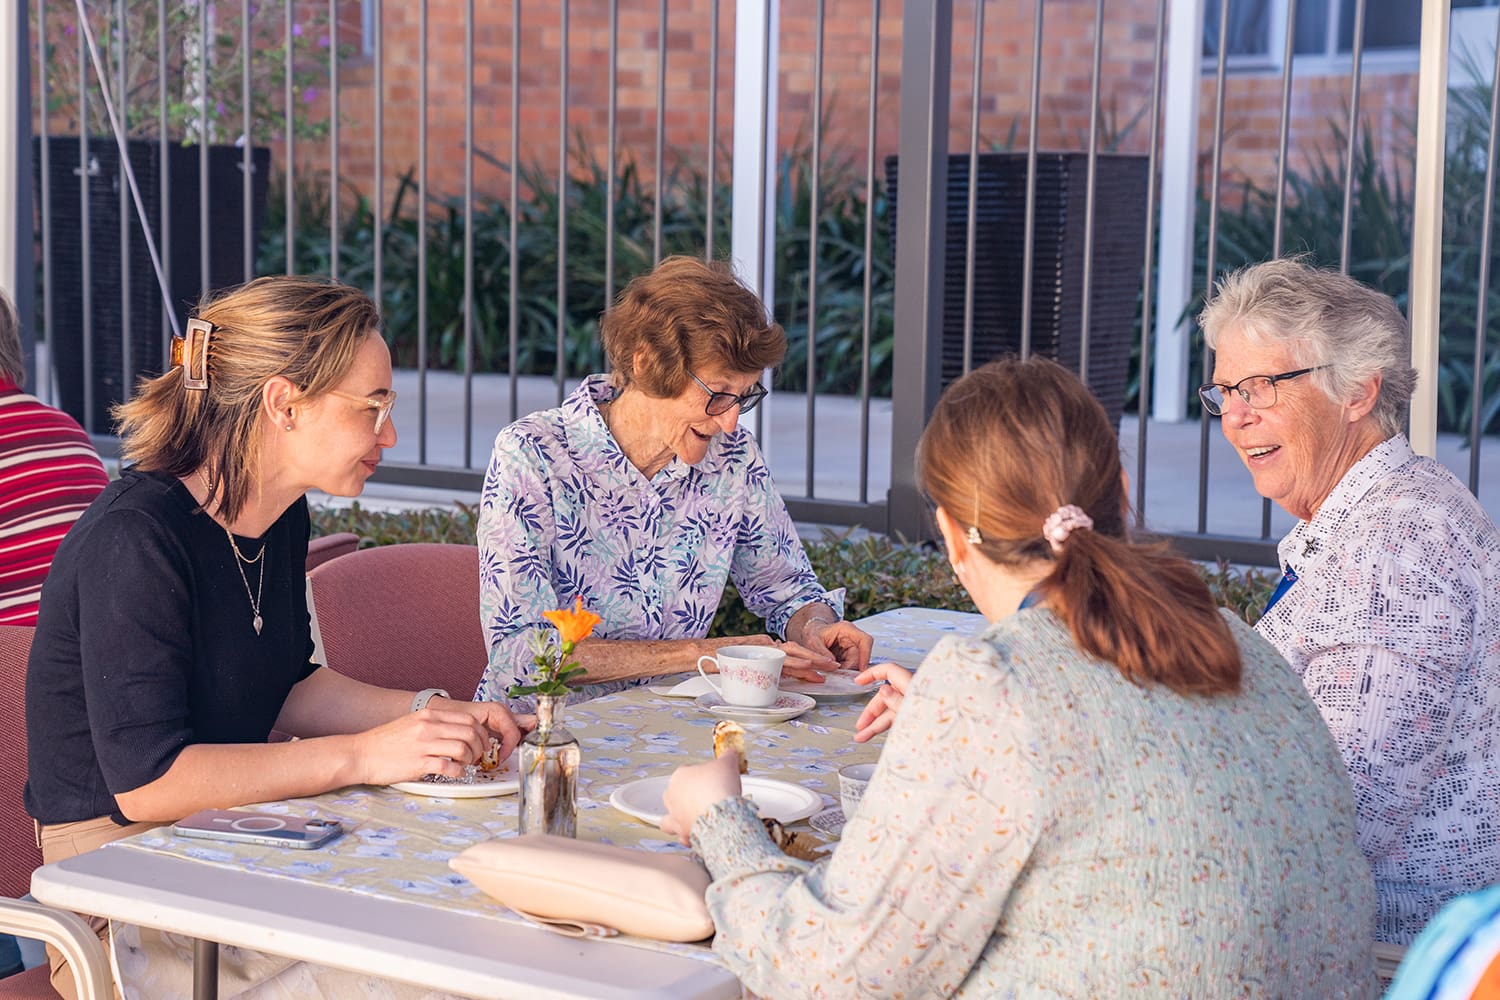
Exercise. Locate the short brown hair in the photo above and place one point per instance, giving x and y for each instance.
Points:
(1010, 443)
(684, 316)
(12, 356)
(307, 330)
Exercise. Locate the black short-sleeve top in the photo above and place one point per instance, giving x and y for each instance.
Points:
(145, 644)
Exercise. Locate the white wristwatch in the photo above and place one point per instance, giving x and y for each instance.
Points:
(425, 695)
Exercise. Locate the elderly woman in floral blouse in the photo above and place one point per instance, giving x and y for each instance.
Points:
(1389, 607)
(642, 495)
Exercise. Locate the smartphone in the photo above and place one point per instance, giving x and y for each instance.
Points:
(259, 828)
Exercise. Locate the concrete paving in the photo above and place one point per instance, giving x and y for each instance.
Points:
(1172, 492)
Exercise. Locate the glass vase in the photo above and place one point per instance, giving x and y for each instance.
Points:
(549, 773)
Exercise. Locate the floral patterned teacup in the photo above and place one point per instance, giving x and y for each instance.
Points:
(750, 674)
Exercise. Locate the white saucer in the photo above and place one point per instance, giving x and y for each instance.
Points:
(837, 685)
(505, 781)
(829, 822)
(786, 706)
(779, 800)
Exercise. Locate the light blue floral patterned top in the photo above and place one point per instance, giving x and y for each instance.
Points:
(565, 514)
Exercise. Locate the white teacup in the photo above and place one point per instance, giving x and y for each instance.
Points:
(852, 782)
(749, 674)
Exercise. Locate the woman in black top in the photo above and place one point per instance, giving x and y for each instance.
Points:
(173, 634)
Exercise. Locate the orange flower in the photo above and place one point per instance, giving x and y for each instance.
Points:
(575, 625)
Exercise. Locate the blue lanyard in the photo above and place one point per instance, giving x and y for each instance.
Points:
(1287, 579)
(1032, 598)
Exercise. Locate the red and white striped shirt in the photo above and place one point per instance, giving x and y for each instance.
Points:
(49, 474)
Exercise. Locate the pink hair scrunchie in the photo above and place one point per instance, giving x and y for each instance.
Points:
(1063, 522)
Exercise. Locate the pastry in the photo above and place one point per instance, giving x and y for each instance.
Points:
(802, 846)
(730, 736)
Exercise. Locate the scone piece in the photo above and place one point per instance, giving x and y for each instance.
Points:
(802, 846)
(729, 736)
(491, 759)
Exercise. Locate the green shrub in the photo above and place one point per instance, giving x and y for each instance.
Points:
(876, 572)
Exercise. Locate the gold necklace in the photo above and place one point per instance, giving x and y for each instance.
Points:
(240, 562)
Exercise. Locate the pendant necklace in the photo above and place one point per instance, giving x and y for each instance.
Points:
(240, 562)
(260, 579)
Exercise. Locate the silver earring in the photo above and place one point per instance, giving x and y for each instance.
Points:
(974, 537)
(288, 426)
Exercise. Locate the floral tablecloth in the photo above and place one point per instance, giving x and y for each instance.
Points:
(397, 846)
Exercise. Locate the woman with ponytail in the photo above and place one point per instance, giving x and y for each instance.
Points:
(1114, 787)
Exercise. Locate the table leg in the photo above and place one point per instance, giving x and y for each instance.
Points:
(205, 970)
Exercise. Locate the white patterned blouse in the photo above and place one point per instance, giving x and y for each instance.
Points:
(1394, 625)
(564, 514)
(1039, 826)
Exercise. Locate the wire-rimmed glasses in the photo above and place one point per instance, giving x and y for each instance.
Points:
(380, 404)
(1259, 391)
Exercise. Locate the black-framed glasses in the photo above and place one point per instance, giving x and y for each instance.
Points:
(1259, 391)
(723, 402)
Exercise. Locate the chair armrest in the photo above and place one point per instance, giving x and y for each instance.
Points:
(69, 934)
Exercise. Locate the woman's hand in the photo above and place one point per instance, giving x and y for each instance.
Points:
(440, 739)
(880, 713)
(696, 787)
(841, 641)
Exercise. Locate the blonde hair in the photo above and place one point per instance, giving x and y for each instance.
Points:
(1010, 443)
(304, 329)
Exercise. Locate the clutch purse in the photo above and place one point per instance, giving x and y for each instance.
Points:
(581, 888)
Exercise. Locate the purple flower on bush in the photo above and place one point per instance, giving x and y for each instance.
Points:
(322, 41)
(296, 31)
(219, 108)
(309, 95)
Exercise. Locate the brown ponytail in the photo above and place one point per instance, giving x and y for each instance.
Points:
(1010, 443)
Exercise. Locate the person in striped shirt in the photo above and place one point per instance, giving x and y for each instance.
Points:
(49, 474)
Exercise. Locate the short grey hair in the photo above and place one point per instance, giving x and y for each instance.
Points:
(12, 358)
(1326, 318)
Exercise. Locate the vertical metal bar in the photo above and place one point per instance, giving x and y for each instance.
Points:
(610, 193)
(121, 44)
(1085, 313)
(1153, 139)
(204, 42)
(469, 234)
(378, 208)
(514, 307)
(44, 378)
(926, 41)
(815, 211)
(422, 235)
(1213, 240)
(289, 140)
(761, 235)
(205, 968)
(713, 129)
(661, 130)
(1486, 241)
(866, 313)
(1424, 299)
(164, 185)
(1355, 71)
(247, 218)
(1028, 240)
(1281, 147)
(85, 225)
(562, 205)
(975, 85)
(333, 150)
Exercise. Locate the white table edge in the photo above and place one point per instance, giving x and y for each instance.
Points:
(463, 953)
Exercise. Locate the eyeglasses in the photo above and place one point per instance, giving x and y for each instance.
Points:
(1257, 390)
(380, 404)
(723, 402)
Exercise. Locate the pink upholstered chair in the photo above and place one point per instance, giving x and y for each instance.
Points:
(326, 547)
(19, 854)
(403, 616)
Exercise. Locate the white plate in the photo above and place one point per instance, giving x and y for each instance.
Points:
(505, 781)
(786, 706)
(777, 799)
(837, 686)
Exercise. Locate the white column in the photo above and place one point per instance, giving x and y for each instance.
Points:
(10, 124)
(1427, 222)
(753, 181)
(1179, 199)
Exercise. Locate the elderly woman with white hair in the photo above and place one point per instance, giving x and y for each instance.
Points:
(1389, 606)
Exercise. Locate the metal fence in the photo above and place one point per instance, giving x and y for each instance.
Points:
(1090, 230)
